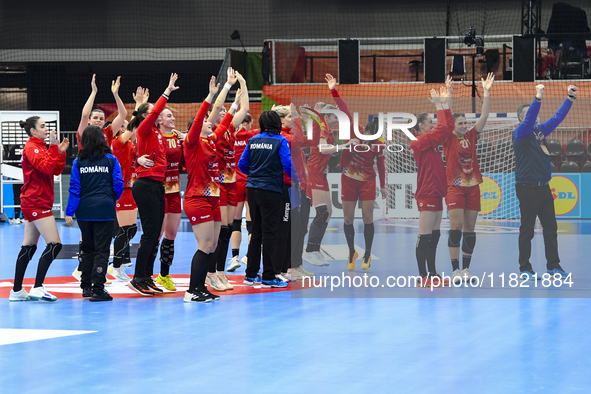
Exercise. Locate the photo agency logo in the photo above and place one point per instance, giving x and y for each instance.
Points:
(391, 122)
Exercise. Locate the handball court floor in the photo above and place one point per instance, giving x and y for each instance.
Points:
(488, 339)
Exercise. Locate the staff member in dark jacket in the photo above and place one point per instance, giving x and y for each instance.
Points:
(96, 184)
(265, 158)
(532, 177)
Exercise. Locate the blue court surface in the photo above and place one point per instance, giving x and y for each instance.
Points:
(483, 339)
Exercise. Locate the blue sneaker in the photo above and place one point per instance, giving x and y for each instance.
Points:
(531, 275)
(563, 275)
(267, 284)
(253, 281)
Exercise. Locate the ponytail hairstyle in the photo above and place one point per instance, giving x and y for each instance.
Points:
(247, 119)
(29, 124)
(420, 119)
(94, 144)
(270, 121)
(372, 126)
(138, 116)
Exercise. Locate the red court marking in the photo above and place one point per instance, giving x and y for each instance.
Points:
(67, 287)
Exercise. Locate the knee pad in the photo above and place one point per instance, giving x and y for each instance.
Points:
(435, 235)
(27, 252)
(455, 237)
(237, 225)
(468, 243)
(249, 226)
(131, 231)
(321, 215)
(52, 250)
(424, 241)
(224, 231)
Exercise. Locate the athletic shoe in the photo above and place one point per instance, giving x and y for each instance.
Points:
(152, 286)
(39, 293)
(77, 274)
(244, 260)
(110, 269)
(351, 261)
(234, 264)
(276, 283)
(107, 281)
(439, 282)
(287, 277)
(208, 294)
(86, 292)
(559, 271)
(313, 258)
(424, 281)
(295, 273)
(224, 280)
(21, 295)
(322, 259)
(214, 282)
(100, 295)
(457, 276)
(195, 296)
(305, 272)
(366, 263)
(253, 281)
(529, 275)
(127, 264)
(140, 288)
(120, 275)
(166, 282)
(467, 275)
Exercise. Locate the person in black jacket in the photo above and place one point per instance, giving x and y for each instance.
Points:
(96, 184)
(265, 158)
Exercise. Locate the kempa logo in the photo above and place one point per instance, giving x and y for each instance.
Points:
(388, 119)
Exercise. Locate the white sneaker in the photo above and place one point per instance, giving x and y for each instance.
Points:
(314, 258)
(281, 278)
(21, 295)
(224, 280)
(295, 273)
(467, 275)
(305, 272)
(234, 264)
(39, 293)
(244, 260)
(120, 275)
(214, 282)
(77, 274)
(457, 276)
(127, 265)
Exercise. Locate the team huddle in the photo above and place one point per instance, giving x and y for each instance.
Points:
(125, 168)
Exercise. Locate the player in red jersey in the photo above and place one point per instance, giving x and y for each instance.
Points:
(39, 167)
(224, 138)
(148, 191)
(202, 197)
(96, 117)
(358, 183)
(243, 134)
(431, 185)
(463, 190)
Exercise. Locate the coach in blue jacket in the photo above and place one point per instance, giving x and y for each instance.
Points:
(265, 158)
(532, 177)
(96, 184)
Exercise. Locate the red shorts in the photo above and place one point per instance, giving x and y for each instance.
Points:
(240, 192)
(353, 190)
(31, 215)
(318, 182)
(201, 209)
(228, 194)
(430, 204)
(126, 202)
(173, 203)
(459, 197)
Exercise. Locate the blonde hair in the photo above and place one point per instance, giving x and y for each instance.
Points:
(282, 110)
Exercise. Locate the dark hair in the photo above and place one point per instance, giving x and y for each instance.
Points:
(29, 124)
(372, 126)
(190, 123)
(247, 118)
(94, 144)
(420, 119)
(95, 110)
(520, 110)
(138, 117)
(458, 115)
(107, 124)
(270, 121)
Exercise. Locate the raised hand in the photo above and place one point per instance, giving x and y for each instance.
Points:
(444, 94)
(539, 90)
(240, 78)
(294, 111)
(239, 94)
(490, 78)
(318, 107)
(572, 90)
(435, 98)
(52, 138)
(141, 95)
(115, 86)
(332, 82)
(63, 146)
(173, 78)
(213, 88)
(232, 78)
(93, 83)
(449, 84)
